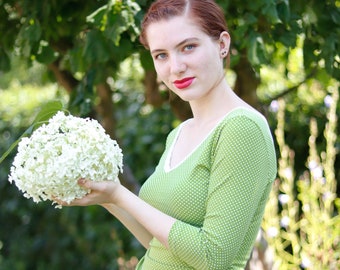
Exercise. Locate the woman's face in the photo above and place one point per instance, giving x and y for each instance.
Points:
(186, 59)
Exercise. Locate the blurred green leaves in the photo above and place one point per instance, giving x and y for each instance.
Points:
(96, 48)
(5, 64)
(115, 18)
(87, 41)
(45, 113)
(259, 26)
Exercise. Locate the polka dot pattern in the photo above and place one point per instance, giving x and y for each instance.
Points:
(217, 194)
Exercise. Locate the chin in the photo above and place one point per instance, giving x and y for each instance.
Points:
(189, 98)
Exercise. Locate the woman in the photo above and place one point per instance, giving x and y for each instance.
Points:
(203, 205)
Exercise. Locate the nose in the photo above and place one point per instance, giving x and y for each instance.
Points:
(177, 66)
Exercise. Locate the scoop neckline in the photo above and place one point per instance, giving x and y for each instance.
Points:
(167, 168)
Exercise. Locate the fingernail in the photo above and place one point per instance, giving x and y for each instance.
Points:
(81, 181)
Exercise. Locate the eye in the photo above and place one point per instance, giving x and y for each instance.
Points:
(189, 47)
(160, 56)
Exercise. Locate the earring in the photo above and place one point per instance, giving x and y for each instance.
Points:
(224, 53)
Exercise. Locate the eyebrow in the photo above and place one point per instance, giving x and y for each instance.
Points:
(187, 40)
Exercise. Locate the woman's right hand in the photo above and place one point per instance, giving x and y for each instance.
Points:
(101, 193)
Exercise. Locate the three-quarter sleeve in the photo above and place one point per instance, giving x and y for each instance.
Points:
(243, 167)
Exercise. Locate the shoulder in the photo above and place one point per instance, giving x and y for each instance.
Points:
(244, 137)
(247, 115)
(243, 120)
(244, 130)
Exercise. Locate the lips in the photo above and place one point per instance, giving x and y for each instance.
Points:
(184, 83)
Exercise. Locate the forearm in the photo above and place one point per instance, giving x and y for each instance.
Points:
(151, 219)
(143, 220)
(141, 234)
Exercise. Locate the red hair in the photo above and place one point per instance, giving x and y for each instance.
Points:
(207, 13)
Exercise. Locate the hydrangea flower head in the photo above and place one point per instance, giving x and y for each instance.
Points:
(49, 163)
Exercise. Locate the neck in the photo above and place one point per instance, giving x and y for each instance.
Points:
(215, 105)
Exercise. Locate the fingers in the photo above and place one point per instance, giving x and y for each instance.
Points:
(77, 201)
(84, 201)
(84, 183)
(100, 192)
(93, 185)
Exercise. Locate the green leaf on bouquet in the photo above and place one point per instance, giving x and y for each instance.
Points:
(46, 111)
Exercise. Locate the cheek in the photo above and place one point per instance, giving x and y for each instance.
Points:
(161, 71)
(212, 62)
(204, 59)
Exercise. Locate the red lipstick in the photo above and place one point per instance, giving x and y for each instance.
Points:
(184, 83)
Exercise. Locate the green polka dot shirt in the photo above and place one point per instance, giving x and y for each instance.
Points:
(217, 194)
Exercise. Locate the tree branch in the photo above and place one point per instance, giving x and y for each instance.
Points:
(63, 77)
(105, 109)
(290, 89)
(246, 81)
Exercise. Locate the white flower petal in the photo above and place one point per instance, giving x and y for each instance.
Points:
(49, 163)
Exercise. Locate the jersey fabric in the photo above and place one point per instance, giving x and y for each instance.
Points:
(217, 194)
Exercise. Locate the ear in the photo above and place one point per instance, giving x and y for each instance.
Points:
(224, 43)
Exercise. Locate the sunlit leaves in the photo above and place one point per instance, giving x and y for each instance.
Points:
(116, 18)
(108, 39)
(256, 49)
(321, 23)
(260, 25)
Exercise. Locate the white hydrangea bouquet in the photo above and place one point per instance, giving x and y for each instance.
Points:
(57, 154)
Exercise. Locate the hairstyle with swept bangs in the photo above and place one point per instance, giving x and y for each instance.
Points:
(207, 13)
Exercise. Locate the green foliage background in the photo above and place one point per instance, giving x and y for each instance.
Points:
(292, 47)
(31, 234)
(38, 236)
